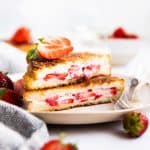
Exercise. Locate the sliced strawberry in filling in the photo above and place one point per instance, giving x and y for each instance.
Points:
(98, 95)
(68, 101)
(81, 96)
(89, 70)
(113, 90)
(75, 71)
(55, 75)
(52, 101)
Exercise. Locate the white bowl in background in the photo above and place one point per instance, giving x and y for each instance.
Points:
(123, 50)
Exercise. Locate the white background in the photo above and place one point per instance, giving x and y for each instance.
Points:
(55, 17)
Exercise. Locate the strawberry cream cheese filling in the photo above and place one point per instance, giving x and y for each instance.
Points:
(84, 96)
(74, 72)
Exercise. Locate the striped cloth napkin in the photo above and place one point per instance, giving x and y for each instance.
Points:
(20, 130)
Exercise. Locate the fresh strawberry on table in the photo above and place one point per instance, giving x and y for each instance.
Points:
(10, 96)
(5, 81)
(18, 87)
(21, 36)
(56, 144)
(121, 33)
(135, 123)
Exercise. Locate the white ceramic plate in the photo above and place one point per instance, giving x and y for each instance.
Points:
(85, 115)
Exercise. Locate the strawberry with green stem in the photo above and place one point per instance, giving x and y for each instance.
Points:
(135, 123)
(10, 96)
(58, 144)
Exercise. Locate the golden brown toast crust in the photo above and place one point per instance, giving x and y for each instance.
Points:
(40, 63)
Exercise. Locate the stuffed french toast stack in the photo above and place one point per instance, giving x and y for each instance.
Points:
(58, 78)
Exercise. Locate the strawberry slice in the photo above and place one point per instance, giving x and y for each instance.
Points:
(68, 101)
(82, 97)
(89, 70)
(55, 75)
(54, 48)
(113, 91)
(74, 71)
(98, 95)
(52, 101)
(21, 36)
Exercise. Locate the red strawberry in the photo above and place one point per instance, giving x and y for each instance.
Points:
(52, 145)
(131, 36)
(58, 145)
(82, 97)
(21, 36)
(68, 101)
(121, 33)
(10, 96)
(18, 87)
(113, 91)
(55, 75)
(5, 81)
(74, 71)
(52, 101)
(54, 48)
(135, 124)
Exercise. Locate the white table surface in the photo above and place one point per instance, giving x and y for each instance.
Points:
(106, 136)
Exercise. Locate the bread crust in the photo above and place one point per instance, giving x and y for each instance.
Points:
(40, 63)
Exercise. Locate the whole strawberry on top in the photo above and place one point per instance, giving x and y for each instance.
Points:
(5, 81)
(56, 144)
(135, 123)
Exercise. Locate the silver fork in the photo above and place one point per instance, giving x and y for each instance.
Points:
(126, 97)
(138, 68)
